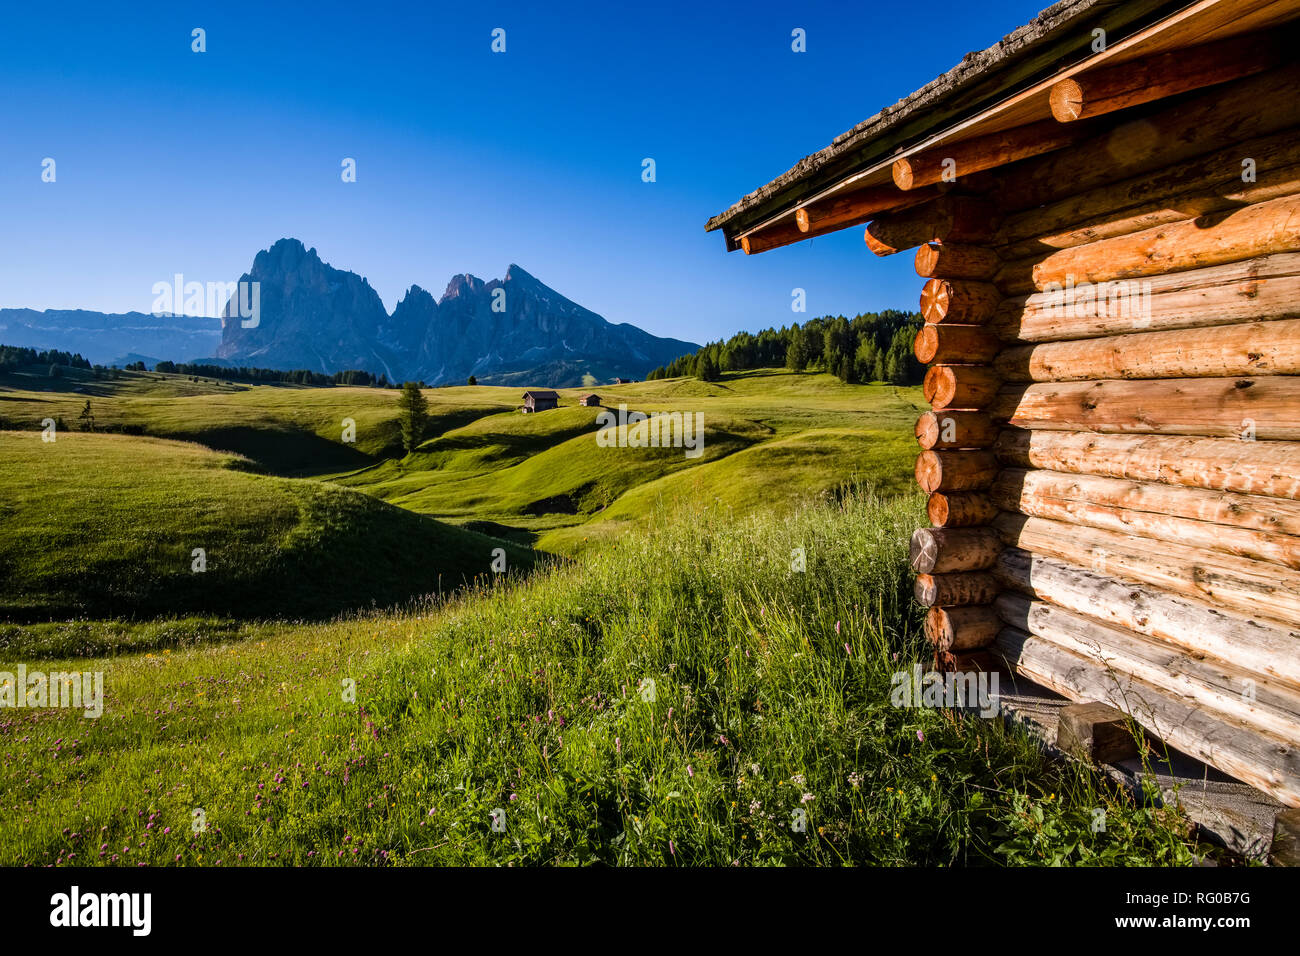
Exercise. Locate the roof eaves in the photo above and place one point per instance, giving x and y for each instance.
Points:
(1019, 59)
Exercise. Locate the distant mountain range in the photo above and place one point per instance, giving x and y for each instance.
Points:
(511, 331)
(111, 338)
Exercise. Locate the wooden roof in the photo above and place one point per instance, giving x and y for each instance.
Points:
(1005, 86)
(542, 393)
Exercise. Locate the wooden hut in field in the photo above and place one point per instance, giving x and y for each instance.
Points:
(1105, 213)
(540, 401)
(590, 401)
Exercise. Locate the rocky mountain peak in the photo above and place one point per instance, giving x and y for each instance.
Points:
(325, 319)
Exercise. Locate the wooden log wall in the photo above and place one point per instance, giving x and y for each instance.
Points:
(1112, 455)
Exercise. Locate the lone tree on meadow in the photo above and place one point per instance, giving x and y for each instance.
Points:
(473, 380)
(412, 415)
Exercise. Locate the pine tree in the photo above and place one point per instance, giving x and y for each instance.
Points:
(707, 370)
(412, 415)
(796, 354)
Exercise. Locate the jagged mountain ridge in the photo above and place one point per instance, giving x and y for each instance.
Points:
(503, 330)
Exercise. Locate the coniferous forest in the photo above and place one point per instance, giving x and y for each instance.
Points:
(870, 347)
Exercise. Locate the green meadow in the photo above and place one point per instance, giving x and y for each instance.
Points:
(686, 661)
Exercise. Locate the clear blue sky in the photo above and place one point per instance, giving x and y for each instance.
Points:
(173, 161)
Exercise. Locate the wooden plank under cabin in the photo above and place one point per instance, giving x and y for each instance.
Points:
(1262, 760)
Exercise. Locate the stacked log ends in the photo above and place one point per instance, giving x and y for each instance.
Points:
(950, 219)
(950, 429)
(967, 344)
(936, 260)
(960, 509)
(959, 301)
(963, 628)
(949, 590)
(946, 471)
(944, 550)
(960, 386)
(956, 465)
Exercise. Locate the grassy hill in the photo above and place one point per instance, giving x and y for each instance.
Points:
(107, 525)
(772, 440)
(284, 429)
(677, 700)
(676, 694)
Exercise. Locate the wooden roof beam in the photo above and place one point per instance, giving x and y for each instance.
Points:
(947, 163)
(854, 207)
(833, 213)
(1104, 90)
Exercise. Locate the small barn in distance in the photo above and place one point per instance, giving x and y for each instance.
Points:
(540, 401)
(590, 401)
(1106, 211)
(624, 381)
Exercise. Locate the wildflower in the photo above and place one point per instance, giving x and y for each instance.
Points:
(855, 779)
(807, 798)
(920, 736)
(690, 771)
(837, 627)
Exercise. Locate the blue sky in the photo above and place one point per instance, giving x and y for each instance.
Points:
(173, 161)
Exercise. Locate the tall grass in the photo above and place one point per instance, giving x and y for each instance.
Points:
(687, 696)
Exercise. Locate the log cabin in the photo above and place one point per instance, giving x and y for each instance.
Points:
(590, 401)
(1105, 213)
(540, 401)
